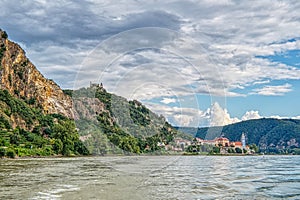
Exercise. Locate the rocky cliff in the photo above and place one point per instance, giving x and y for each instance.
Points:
(21, 78)
(35, 111)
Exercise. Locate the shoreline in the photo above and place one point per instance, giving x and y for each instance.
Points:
(143, 155)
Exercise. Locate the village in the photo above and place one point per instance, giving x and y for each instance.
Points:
(219, 145)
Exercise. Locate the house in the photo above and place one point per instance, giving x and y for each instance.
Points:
(222, 141)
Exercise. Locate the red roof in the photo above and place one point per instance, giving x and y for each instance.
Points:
(238, 143)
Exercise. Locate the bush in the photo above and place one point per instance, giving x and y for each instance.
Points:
(11, 153)
(216, 149)
(4, 34)
(230, 150)
(2, 152)
(238, 150)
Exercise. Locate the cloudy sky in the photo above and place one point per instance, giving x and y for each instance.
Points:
(199, 63)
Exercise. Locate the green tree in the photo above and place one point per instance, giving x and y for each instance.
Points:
(11, 153)
(231, 150)
(67, 134)
(4, 34)
(2, 152)
(254, 148)
(58, 146)
(238, 150)
(216, 149)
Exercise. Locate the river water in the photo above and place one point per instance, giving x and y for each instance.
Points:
(151, 177)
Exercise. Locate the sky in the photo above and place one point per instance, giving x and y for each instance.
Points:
(198, 63)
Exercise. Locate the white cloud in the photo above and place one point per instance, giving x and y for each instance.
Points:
(199, 47)
(252, 114)
(182, 116)
(213, 116)
(273, 90)
(284, 117)
(168, 100)
(220, 116)
(221, 39)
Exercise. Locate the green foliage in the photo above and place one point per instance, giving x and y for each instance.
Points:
(4, 123)
(2, 50)
(104, 97)
(68, 92)
(2, 152)
(50, 134)
(58, 146)
(11, 153)
(124, 125)
(266, 134)
(231, 150)
(80, 148)
(32, 101)
(67, 134)
(3, 34)
(139, 113)
(238, 150)
(254, 147)
(20, 74)
(216, 150)
(296, 151)
(18, 107)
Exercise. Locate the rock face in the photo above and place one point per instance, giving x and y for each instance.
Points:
(21, 78)
(88, 108)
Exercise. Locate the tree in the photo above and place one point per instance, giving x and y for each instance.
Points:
(4, 34)
(80, 148)
(216, 149)
(238, 150)
(11, 153)
(231, 150)
(2, 152)
(67, 134)
(254, 148)
(58, 146)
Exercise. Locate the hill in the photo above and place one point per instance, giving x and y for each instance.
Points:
(271, 135)
(38, 118)
(112, 124)
(35, 114)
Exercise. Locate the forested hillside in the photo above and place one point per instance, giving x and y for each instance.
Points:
(269, 134)
(38, 134)
(112, 124)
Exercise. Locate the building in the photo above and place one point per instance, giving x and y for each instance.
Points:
(222, 141)
(236, 144)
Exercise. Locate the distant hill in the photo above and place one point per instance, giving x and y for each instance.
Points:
(269, 134)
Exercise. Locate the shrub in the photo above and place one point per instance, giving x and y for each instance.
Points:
(11, 153)
(4, 35)
(230, 150)
(2, 152)
(238, 150)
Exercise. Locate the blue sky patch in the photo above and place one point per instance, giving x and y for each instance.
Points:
(291, 58)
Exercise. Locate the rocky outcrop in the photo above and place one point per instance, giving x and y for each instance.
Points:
(88, 108)
(21, 78)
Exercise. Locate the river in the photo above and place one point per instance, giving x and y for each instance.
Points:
(151, 177)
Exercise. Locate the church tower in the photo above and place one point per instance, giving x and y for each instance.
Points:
(243, 140)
